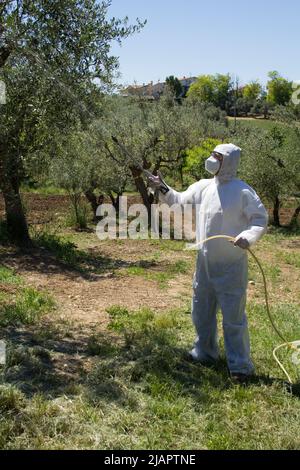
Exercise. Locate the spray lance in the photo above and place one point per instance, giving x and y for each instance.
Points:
(163, 187)
(149, 176)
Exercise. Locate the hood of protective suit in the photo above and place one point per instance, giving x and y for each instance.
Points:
(231, 158)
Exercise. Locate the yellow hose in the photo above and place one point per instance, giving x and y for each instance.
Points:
(290, 344)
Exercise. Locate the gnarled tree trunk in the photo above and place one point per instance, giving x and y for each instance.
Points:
(276, 207)
(148, 199)
(92, 198)
(295, 216)
(15, 216)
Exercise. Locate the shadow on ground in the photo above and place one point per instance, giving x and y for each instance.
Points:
(72, 264)
(54, 361)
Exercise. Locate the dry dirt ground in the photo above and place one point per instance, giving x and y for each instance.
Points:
(82, 299)
(86, 296)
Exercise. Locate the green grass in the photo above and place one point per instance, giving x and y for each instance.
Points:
(8, 276)
(169, 272)
(63, 249)
(272, 271)
(292, 259)
(142, 393)
(136, 271)
(137, 390)
(20, 304)
(27, 308)
(169, 245)
(46, 190)
(254, 123)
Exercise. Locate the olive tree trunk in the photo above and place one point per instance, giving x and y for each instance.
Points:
(276, 207)
(15, 215)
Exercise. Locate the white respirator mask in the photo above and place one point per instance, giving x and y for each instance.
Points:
(212, 165)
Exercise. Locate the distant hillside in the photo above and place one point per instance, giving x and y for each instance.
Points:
(155, 90)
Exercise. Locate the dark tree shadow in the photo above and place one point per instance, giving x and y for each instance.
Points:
(42, 360)
(53, 364)
(89, 267)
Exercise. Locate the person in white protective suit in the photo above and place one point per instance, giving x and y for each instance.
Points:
(225, 206)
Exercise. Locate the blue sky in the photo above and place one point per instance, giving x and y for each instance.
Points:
(247, 38)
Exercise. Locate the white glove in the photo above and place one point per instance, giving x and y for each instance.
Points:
(156, 182)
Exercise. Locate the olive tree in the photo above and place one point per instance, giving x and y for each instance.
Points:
(51, 53)
(137, 134)
(82, 169)
(270, 163)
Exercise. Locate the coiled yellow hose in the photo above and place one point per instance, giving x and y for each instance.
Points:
(290, 344)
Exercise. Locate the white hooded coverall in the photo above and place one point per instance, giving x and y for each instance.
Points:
(225, 205)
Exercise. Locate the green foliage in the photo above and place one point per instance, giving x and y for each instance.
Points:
(45, 189)
(179, 267)
(155, 135)
(80, 213)
(252, 91)
(99, 346)
(242, 107)
(161, 277)
(248, 99)
(216, 89)
(174, 86)
(279, 89)
(270, 161)
(223, 90)
(196, 156)
(66, 251)
(292, 259)
(243, 124)
(51, 56)
(202, 89)
(71, 167)
(288, 114)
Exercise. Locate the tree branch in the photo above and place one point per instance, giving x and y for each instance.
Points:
(112, 155)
